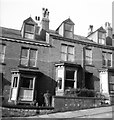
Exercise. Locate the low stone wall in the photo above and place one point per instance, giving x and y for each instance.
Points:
(63, 103)
(14, 112)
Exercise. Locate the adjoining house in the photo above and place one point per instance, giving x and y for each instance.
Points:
(36, 59)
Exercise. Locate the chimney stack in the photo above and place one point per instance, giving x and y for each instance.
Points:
(37, 18)
(45, 19)
(108, 29)
(90, 30)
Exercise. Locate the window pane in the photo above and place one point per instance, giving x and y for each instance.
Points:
(24, 62)
(2, 53)
(69, 74)
(68, 27)
(112, 87)
(88, 61)
(64, 48)
(69, 84)
(101, 35)
(27, 82)
(1, 58)
(104, 58)
(70, 57)
(68, 34)
(102, 41)
(33, 58)
(32, 63)
(109, 55)
(88, 54)
(25, 57)
(71, 50)
(29, 28)
(32, 54)
(37, 30)
(107, 59)
(30, 36)
(15, 81)
(63, 57)
(25, 53)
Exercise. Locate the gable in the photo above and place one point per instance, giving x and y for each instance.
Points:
(30, 21)
(69, 21)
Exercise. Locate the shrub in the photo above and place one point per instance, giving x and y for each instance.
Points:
(80, 92)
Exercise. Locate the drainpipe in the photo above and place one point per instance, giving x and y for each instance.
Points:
(83, 65)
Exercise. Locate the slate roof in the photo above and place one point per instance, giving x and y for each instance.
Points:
(10, 33)
(101, 29)
(16, 34)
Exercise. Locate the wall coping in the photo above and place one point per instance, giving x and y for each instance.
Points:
(71, 97)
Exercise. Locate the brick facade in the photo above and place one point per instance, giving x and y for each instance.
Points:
(49, 53)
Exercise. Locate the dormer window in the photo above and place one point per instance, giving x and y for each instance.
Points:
(66, 29)
(102, 38)
(29, 31)
(68, 33)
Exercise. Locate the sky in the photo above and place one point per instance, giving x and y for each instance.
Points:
(82, 12)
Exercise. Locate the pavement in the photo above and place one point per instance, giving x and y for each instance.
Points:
(71, 115)
(78, 113)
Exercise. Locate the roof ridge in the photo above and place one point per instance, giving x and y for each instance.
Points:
(9, 28)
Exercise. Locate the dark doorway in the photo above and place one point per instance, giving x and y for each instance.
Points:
(89, 84)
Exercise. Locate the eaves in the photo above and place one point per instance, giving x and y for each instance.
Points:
(82, 42)
(24, 41)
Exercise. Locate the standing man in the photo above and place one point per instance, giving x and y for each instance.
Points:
(47, 98)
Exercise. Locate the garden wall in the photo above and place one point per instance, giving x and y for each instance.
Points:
(64, 103)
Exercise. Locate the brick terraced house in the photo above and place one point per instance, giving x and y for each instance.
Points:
(36, 59)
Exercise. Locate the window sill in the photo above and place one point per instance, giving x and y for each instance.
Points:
(28, 67)
(107, 67)
(2, 63)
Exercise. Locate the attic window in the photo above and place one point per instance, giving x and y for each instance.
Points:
(68, 30)
(101, 38)
(29, 31)
(68, 27)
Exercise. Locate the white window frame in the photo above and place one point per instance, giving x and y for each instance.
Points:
(2, 53)
(27, 34)
(67, 53)
(88, 57)
(28, 57)
(106, 58)
(102, 39)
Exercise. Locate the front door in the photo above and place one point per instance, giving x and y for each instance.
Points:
(14, 87)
